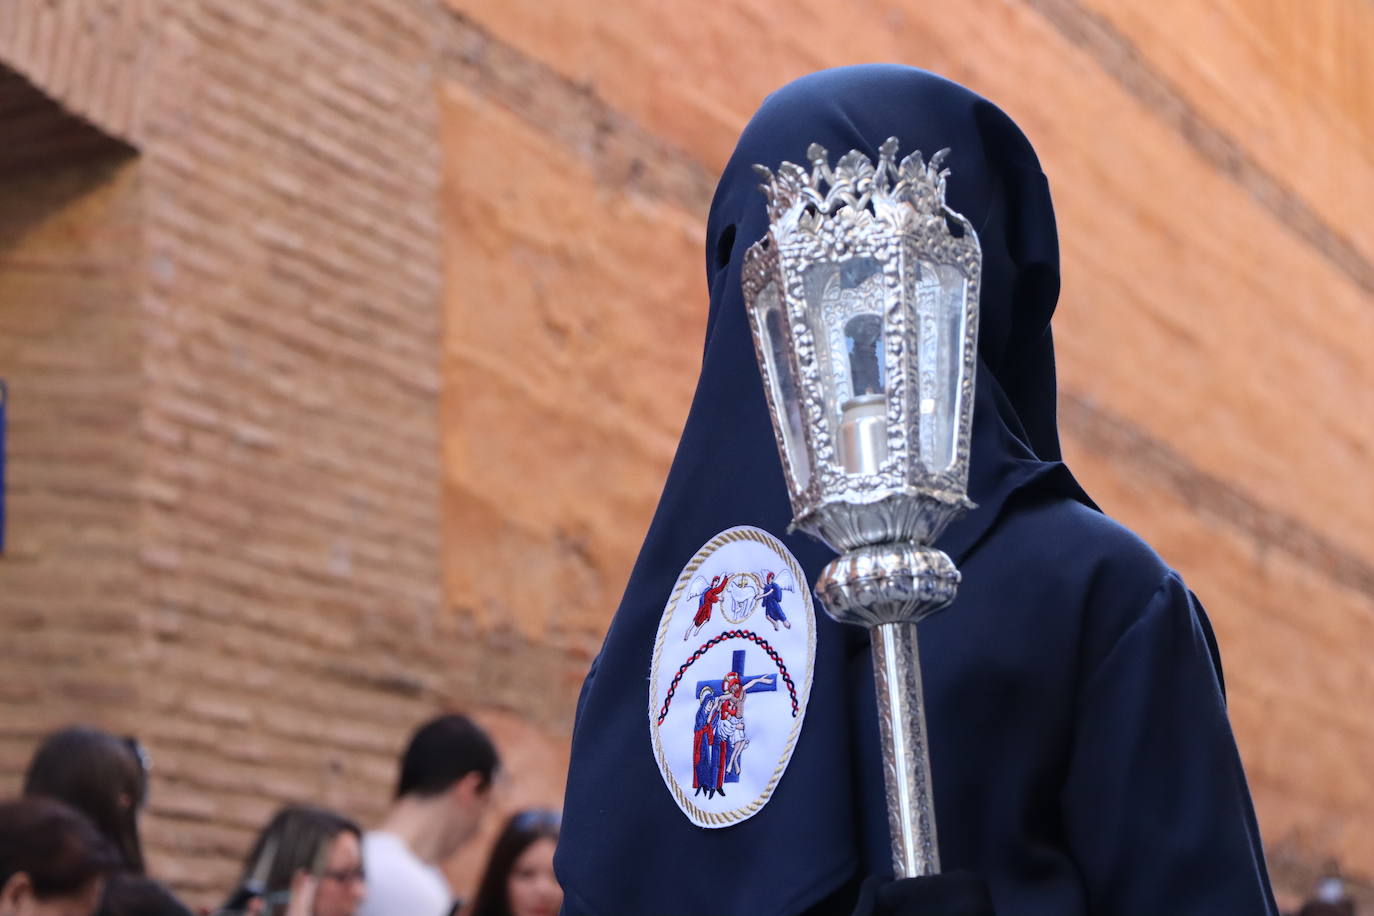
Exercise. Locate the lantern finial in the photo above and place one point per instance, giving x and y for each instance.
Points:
(856, 188)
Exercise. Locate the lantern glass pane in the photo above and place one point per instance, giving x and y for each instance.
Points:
(846, 309)
(783, 379)
(940, 314)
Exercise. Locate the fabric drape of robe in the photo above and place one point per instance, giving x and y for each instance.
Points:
(1081, 755)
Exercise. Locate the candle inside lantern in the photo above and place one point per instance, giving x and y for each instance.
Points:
(863, 433)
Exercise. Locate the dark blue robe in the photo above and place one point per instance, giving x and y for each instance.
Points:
(1081, 755)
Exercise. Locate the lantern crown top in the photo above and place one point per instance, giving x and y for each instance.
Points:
(856, 188)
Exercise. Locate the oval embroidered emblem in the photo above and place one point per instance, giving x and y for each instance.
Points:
(731, 675)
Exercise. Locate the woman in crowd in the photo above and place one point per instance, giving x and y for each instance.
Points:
(100, 775)
(306, 862)
(519, 879)
(53, 861)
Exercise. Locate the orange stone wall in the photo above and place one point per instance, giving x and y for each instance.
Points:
(406, 301)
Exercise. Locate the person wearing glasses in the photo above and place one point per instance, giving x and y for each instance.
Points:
(519, 879)
(307, 861)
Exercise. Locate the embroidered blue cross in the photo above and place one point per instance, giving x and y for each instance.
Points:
(718, 687)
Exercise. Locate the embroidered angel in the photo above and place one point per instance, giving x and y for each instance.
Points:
(771, 595)
(709, 595)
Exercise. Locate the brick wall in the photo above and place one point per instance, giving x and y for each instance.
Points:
(411, 320)
(69, 603)
(88, 55)
(290, 553)
(281, 552)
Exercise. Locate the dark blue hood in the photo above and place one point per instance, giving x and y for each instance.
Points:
(727, 472)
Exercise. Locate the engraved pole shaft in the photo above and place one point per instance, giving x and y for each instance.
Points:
(887, 588)
(906, 757)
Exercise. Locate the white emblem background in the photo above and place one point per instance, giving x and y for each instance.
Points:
(771, 728)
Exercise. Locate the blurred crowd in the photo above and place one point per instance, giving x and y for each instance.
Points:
(70, 845)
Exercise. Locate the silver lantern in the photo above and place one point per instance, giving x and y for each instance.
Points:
(863, 302)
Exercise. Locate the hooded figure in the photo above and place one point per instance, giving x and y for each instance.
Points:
(1081, 757)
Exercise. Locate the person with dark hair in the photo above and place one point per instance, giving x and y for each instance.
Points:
(127, 894)
(307, 861)
(53, 861)
(1329, 898)
(441, 797)
(519, 879)
(1327, 908)
(103, 776)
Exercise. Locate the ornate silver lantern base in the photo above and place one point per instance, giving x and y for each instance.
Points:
(888, 588)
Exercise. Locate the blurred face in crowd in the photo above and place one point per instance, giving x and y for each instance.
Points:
(341, 886)
(18, 899)
(468, 799)
(532, 889)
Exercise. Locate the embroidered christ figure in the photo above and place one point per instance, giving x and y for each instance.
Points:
(730, 733)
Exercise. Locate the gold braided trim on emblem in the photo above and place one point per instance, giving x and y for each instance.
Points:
(725, 818)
